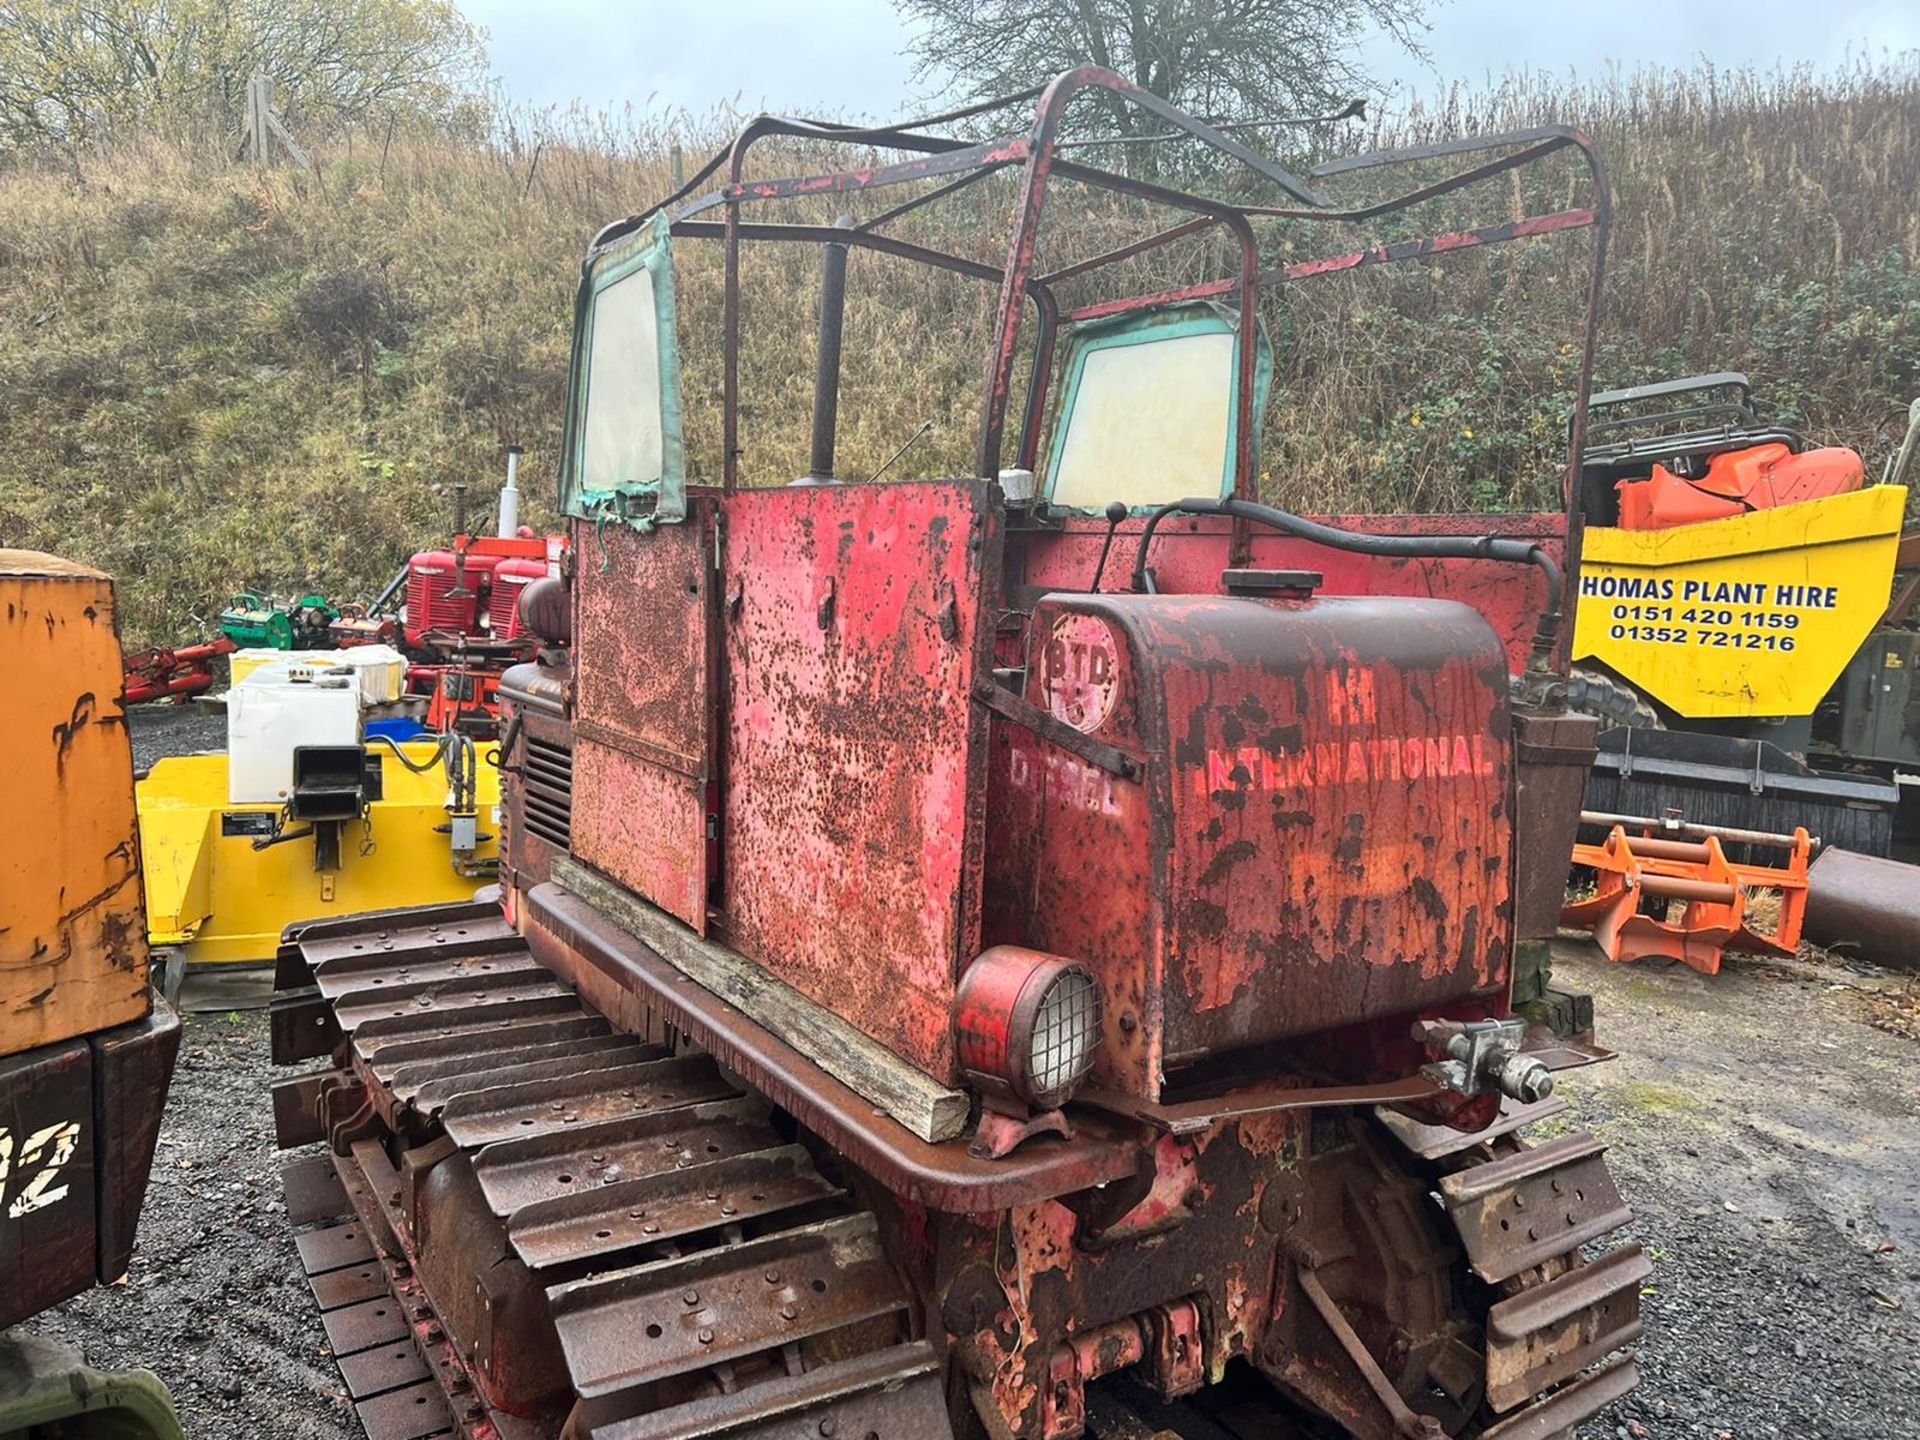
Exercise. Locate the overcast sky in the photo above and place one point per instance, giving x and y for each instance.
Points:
(845, 55)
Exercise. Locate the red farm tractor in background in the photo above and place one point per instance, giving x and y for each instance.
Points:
(461, 625)
(1053, 951)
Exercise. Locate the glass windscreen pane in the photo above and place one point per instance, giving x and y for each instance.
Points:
(1149, 423)
(622, 444)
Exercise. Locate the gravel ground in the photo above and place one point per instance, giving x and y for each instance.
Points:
(162, 730)
(1768, 1139)
(1766, 1134)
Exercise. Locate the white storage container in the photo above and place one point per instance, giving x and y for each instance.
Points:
(267, 720)
(380, 669)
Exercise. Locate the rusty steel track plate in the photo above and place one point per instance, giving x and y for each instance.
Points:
(1436, 1142)
(385, 1056)
(630, 1327)
(381, 950)
(569, 1063)
(428, 1084)
(352, 1328)
(1553, 1331)
(895, 1393)
(333, 1248)
(602, 1218)
(313, 1190)
(516, 1173)
(414, 976)
(410, 1414)
(1559, 1412)
(349, 1285)
(523, 983)
(543, 1105)
(1514, 1213)
(387, 1367)
(374, 1035)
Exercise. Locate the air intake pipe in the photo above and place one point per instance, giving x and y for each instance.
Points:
(1426, 547)
(826, 373)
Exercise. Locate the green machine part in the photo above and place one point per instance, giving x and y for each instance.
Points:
(251, 622)
(46, 1389)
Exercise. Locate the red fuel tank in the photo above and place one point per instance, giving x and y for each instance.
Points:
(1317, 830)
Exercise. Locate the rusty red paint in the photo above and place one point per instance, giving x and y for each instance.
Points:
(1256, 820)
(642, 754)
(855, 631)
(1321, 838)
(1191, 553)
(1530, 228)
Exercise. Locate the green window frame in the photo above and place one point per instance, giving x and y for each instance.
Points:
(653, 492)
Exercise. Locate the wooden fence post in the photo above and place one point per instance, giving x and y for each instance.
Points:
(262, 126)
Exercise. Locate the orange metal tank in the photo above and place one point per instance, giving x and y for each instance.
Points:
(73, 946)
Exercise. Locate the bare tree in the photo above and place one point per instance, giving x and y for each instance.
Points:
(67, 66)
(1220, 59)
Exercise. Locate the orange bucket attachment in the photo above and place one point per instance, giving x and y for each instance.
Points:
(1682, 898)
(1760, 477)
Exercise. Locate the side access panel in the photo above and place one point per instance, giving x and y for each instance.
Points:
(856, 626)
(642, 751)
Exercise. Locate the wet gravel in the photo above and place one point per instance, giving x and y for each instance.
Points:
(174, 729)
(1768, 1140)
(1766, 1135)
(215, 1303)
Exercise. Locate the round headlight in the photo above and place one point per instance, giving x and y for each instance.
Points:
(1028, 1024)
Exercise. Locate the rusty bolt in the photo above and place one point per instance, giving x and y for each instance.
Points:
(650, 1228)
(827, 1427)
(692, 1297)
(773, 1277)
(706, 1337)
(787, 1312)
(728, 1210)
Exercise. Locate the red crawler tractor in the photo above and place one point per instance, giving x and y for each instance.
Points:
(982, 958)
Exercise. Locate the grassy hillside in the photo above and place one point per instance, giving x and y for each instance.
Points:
(214, 377)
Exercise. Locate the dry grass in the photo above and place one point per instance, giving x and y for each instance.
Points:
(213, 378)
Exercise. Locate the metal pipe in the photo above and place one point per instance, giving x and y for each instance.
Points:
(826, 369)
(1685, 827)
(1435, 547)
(509, 525)
(1678, 887)
(1865, 904)
(1654, 848)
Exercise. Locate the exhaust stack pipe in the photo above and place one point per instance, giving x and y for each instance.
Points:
(510, 497)
(826, 374)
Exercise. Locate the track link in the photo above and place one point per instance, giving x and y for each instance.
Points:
(527, 1224)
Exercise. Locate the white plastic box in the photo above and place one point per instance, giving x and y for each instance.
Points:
(380, 669)
(266, 721)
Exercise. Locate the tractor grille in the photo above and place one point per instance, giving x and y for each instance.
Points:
(547, 792)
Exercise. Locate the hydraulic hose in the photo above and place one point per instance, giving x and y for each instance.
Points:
(455, 752)
(1427, 547)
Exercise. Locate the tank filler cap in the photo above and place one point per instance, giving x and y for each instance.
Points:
(1272, 584)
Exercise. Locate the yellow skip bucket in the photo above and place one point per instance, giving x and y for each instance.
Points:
(1752, 616)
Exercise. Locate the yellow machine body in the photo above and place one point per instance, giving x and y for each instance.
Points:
(1752, 616)
(217, 898)
(73, 948)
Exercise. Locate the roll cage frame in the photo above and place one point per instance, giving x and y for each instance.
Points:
(1038, 154)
